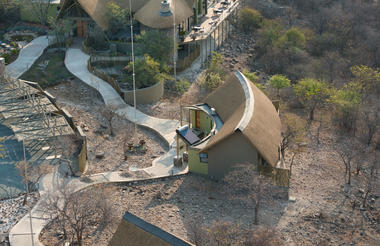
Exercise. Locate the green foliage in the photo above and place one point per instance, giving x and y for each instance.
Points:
(279, 82)
(147, 72)
(366, 77)
(117, 17)
(347, 103)
(293, 38)
(211, 81)
(215, 65)
(312, 93)
(157, 45)
(9, 11)
(251, 76)
(61, 30)
(269, 33)
(54, 73)
(182, 86)
(250, 19)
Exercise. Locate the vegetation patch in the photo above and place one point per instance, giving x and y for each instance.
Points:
(48, 70)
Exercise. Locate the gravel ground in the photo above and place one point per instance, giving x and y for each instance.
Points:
(12, 210)
(173, 204)
(85, 104)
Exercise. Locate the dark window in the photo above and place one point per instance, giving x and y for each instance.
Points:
(203, 157)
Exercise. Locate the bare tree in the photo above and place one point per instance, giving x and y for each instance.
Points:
(371, 122)
(31, 174)
(294, 132)
(66, 149)
(371, 176)
(248, 181)
(77, 214)
(263, 236)
(40, 9)
(109, 113)
(348, 150)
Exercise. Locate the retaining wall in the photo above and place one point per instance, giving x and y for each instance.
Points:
(146, 95)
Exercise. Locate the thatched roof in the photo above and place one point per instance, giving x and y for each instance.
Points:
(133, 231)
(149, 16)
(146, 11)
(245, 108)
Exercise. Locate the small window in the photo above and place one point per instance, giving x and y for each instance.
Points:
(203, 157)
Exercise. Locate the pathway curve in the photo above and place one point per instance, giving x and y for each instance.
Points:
(76, 63)
(27, 56)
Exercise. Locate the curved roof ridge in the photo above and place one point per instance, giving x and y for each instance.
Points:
(249, 101)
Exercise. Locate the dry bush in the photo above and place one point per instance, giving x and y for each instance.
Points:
(77, 214)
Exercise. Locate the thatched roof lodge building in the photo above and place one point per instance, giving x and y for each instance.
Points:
(237, 124)
(202, 25)
(134, 231)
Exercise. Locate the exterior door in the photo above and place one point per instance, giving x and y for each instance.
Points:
(198, 119)
(82, 28)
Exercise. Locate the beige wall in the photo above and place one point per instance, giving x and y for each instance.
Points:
(235, 149)
(145, 96)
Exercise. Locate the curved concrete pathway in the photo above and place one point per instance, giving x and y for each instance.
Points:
(76, 63)
(27, 56)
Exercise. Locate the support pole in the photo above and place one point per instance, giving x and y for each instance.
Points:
(133, 70)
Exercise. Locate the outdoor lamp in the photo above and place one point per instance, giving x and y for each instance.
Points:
(165, 9)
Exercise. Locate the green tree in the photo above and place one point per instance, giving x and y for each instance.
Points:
(279, 82)
(347, 103)
(117, 17)
(215, 65)
(250, 19)
(268, 34)
(147, 72)
(312, 94)
(366, 77)
(157, 45)
(292, 38)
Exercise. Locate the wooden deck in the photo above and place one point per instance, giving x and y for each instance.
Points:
(215, 16)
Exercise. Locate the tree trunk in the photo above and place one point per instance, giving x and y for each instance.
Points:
(311, 114)
(349, 175)
(25, 199)
(256, 213)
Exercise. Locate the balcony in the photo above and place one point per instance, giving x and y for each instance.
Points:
(216, 14)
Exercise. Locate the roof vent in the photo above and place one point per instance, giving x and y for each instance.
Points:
(213, 111)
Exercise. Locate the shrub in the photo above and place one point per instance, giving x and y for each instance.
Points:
(147, 72)
(293, 38)
(157, 45)
(250, 19)
(251, 76)
(215, 65)
(211, 81)
(182, 86)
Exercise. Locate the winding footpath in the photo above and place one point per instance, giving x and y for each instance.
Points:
(76, 63)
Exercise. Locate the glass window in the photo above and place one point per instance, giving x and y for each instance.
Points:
(203, 157)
